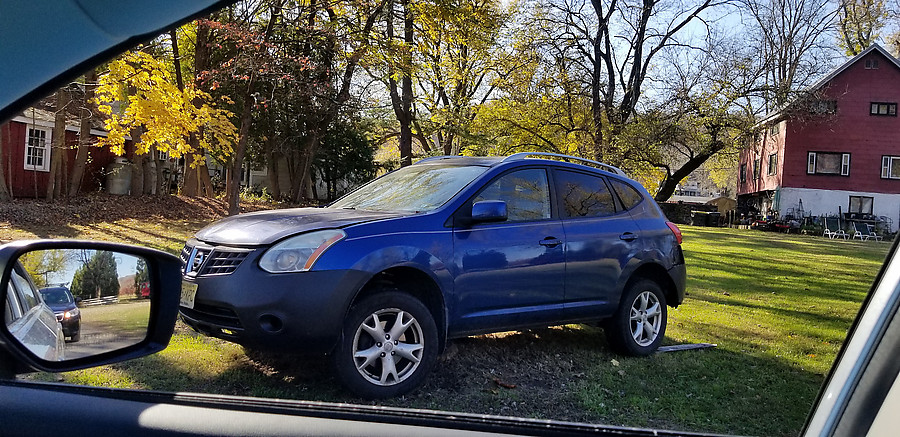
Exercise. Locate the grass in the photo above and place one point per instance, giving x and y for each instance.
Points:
(777, 306)
(127, 318)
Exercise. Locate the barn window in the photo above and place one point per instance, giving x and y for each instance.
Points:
(37, 149)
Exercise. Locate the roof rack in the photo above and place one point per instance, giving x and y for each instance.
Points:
(602, 166)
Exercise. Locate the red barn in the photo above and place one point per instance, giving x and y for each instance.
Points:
(27, 154)
(837, 149)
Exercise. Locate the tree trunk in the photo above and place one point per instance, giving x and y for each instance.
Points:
(137, 171)
(235, 173)
(671, 183)
(58, 146)
(4, 190)
(84, 138)
(401, 100)
(153, 172)
(273, 185)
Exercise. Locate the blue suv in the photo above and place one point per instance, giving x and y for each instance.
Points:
(445, 248)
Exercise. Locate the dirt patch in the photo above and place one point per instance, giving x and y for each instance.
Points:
(533, 374)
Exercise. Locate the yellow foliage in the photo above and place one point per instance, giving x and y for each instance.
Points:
(148, 98)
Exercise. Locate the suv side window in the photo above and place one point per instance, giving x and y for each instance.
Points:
(526, 193)
(29, 295)
(627, 194)
(583, 195)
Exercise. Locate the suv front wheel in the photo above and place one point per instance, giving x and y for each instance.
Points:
(388, 345)
(639, 325)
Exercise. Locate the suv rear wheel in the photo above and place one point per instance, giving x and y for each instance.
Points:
(388, 345)
(639, 325)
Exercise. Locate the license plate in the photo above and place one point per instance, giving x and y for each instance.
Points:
(188, 293)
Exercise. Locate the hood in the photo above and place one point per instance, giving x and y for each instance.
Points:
(267, 227)
(62, 307)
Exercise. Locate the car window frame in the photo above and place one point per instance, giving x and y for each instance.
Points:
(619, 209)
(462, 215)
(610, 182)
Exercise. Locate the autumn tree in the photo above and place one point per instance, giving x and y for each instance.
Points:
(42, 265)
(139, 94)
(303, 73)
(859, 24)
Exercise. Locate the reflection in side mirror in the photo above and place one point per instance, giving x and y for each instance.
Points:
(63, 304)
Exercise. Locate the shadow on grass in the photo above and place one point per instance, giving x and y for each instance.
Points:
(564, 373)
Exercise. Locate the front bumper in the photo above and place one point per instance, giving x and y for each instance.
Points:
(298, 313)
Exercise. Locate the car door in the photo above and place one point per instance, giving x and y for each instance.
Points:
(510, 273)
(601, 239)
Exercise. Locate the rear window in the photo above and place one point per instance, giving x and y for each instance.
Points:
(583, 195)
(629, 196)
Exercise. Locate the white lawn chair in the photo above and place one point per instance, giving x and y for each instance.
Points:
(833, 229)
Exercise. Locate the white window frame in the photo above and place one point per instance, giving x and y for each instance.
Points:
(845, 164)
(886, 165)
(46, 147)
(883, 109)
(772, 167)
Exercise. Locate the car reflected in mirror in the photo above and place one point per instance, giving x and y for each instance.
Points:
(64, 304)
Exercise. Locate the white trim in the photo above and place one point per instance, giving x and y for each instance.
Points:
(49, 124)
(46, 147)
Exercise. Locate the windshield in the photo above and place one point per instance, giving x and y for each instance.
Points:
(417, 188)
(54, 296)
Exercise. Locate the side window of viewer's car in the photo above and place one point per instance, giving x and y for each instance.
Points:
(526, 193)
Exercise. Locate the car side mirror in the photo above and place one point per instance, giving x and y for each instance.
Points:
(489, 211)
(71, 305)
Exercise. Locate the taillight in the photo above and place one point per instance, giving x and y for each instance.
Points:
(675, 231)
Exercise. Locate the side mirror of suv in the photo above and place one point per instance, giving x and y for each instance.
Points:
(111, 323)
(489, 211)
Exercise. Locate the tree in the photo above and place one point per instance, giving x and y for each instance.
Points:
(85, 140)
(859, 24)
(790, 35)
(97, 276)
(303, 74)
(347, 156)
(614, 47)
(139, 94)
(141, 276)
(43, 264)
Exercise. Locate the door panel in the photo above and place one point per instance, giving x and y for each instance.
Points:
(600, 240)
(511, 273)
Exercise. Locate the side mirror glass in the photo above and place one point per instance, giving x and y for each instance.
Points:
(63, 304)
(489, 211)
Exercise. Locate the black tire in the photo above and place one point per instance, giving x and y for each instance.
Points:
(639, 325)
(369, 375)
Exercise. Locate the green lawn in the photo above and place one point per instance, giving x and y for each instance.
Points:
(778, 307)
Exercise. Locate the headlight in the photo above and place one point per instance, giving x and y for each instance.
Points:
(298, 254)
(71, 313)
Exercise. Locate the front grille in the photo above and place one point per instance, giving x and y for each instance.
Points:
(206, 261)
(222, 263)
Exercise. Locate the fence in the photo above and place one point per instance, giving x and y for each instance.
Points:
(100, 301)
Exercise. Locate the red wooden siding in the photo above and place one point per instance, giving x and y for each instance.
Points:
(29, 183)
